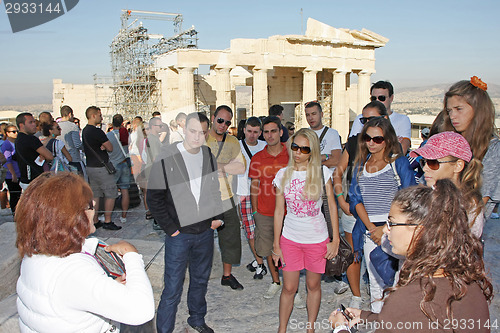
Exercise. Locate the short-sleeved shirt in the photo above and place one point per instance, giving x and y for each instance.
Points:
(331, 140)
(400, 122)
(26, 146)
(243, 180)
(230, 151)
(70, 135)
(304, 222)
(94, 137)
(264, 167)
(9, 151)
(116, 156)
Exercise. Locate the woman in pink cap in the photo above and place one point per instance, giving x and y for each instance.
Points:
(447, 155)
(468, 110)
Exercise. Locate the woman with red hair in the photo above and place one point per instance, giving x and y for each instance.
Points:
(62, 287)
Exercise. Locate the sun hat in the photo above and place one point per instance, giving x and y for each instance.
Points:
(444, 144)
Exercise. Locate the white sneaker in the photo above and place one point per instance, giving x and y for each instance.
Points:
(123, 219)
(298, 302)
(341, 287)
(273, 289)
(494, 216)
(101, 218)
(356, 302)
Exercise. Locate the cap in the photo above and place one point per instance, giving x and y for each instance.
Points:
(444, 144)
(426, 131)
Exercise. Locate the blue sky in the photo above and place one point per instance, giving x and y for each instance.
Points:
(431, 42)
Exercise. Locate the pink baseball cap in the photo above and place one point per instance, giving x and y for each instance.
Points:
(444, 144)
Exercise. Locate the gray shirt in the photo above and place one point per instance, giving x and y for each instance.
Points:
(70, 135)
(491, 178)
(116, 156)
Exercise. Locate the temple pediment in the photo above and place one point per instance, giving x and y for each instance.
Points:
(319, 32)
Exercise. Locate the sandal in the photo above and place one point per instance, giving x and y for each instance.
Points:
(149, 216)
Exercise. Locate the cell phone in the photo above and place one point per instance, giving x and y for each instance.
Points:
(280, 264)
(346, 313)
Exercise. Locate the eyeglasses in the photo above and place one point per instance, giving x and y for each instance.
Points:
(381, 98)
(394, 224)
(432, 164)
(364, 120)
(303, 150)
(377, 139)
(220, 121)
(91, 205)
(14, 131)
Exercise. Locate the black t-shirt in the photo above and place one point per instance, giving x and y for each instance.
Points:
(94, 137)
(26, 146)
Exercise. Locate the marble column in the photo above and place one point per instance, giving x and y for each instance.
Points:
(363, 90)
(340, 112)
(260, 95)
(186, 89)
(223, 87)
(309, 92)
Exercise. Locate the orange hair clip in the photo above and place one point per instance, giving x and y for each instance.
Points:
(476, 82)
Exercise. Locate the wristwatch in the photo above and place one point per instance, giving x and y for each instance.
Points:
(221, 223)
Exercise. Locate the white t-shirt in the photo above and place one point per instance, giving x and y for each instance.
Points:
(400, 122)
(304, 222)
(194, 166)
(243, 188)
(331, 140)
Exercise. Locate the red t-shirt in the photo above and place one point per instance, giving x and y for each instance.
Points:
(264, 167)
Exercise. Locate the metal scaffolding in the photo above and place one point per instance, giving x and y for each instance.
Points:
(133, 50)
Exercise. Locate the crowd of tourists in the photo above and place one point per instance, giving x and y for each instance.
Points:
(294, 192)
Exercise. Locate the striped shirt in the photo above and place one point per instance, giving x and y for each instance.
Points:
(378, 189)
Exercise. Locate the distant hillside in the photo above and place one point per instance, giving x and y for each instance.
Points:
(429, 100)
(31, 108)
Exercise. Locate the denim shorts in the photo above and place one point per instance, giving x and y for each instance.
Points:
(123, 176)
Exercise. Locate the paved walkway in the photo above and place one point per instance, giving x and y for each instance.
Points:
(229, 310)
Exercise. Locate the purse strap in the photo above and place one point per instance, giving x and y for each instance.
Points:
(326, 208)
(93, 151)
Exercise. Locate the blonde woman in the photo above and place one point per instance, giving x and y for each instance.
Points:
(301, 239)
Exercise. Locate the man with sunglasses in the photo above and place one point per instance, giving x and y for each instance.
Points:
(230, 162)
(330, 146)
(383, 91)
(263, 168)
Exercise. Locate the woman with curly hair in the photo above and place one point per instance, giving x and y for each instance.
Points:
(381, 170)
(443, 284)
(468, 110)
(301, 239)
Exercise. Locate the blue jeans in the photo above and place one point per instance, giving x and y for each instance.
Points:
(197, 250)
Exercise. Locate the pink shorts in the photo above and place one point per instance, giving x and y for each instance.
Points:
(299, 256)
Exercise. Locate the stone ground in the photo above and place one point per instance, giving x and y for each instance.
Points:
(228, 310)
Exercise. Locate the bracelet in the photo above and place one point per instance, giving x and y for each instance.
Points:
(254, 213)
(327, 157)
(275, 253)
(338, 195)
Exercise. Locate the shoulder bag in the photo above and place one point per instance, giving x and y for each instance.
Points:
(110, 168)
(344, 258)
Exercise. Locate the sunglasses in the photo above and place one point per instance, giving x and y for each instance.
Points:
(364, 120)
(303, 150)
(394, 224)
(220, 121)
(15, 131)
(381, 98)
(432, 164)
(292, 128)
(91, 205)
(377, 139)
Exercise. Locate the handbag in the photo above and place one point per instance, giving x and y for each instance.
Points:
(385, 265)
(344, 258)
(58, 164)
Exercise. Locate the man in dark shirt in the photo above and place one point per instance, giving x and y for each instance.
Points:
(31, 153)
(96, 145)
(184, 197)
(277, 111)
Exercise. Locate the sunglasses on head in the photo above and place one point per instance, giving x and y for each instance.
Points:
(364, 120)
(377, 139)
(432, 164)
(220, 121)
(381, 98)
(303, 150)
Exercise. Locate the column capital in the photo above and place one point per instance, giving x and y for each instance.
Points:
(186, 68)
(222, 68)
(261, 69)
(340, 71)
(311, 70)
(365, 73)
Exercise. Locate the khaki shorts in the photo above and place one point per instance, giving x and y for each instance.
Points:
(264, 234)
(102, 183)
